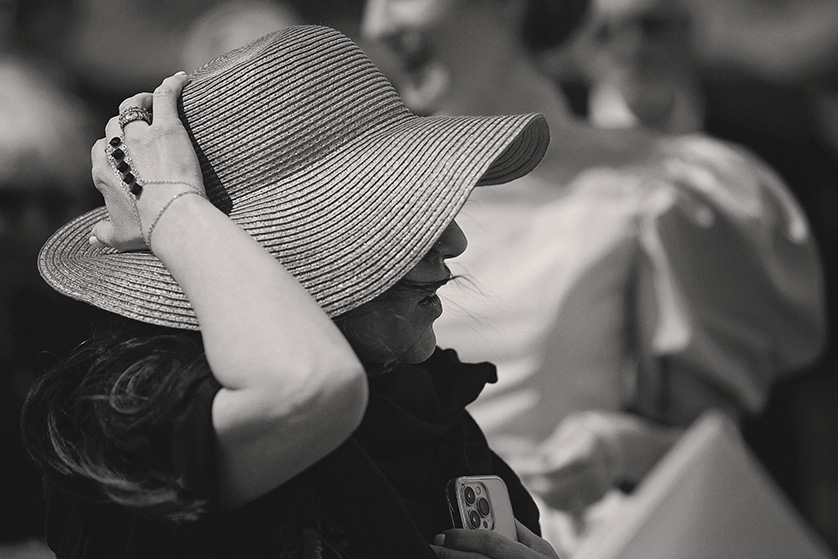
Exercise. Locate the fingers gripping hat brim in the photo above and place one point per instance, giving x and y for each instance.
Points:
(306, 146)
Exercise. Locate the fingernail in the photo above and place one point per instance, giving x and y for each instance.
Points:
(94, 241)
(180, 73)
(439, 539)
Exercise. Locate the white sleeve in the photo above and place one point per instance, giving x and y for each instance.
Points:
(731, 283)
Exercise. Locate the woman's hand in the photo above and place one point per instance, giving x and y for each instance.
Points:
(485, 544)
(162, 158)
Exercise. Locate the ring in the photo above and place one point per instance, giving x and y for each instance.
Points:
(130, 114)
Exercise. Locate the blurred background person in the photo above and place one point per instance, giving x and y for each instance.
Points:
(770, 88)
(643, 66)
(655, 277)
(642, 60)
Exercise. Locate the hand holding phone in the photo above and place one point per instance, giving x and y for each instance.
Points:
(455, 544)
(481, 503)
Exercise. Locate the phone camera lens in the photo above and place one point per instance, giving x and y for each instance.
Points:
(474, 518)
(469, 493)
(483, 506)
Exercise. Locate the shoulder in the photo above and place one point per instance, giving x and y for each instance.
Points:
(701, 171)
(724, 159)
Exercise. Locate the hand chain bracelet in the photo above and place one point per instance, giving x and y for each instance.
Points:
(123, 168)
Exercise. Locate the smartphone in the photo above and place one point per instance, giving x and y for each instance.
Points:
(481, 503)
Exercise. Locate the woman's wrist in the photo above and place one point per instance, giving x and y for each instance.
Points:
(191, 190)
(173, 218)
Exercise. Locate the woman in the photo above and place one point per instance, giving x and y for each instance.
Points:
(273, 431)
(628, 284)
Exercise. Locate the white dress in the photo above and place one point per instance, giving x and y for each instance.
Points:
(698, 255)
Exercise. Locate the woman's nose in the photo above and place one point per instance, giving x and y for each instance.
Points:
(452, 242)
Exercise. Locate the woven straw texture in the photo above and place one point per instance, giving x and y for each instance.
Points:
(304, 144)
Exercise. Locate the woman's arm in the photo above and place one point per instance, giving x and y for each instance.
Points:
(293, 388)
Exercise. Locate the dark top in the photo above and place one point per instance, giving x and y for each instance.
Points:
(380, 494)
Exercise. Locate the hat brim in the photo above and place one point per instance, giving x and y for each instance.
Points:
(380, 202)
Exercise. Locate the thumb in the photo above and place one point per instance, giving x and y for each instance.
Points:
(103, 234)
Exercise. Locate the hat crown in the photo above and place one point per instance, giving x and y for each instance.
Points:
(307, 147)
(278, 104)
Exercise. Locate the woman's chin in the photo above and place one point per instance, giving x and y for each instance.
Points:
(422, 349)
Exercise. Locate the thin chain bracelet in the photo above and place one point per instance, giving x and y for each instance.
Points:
(165, 207)
(123, 167)
(189, 184)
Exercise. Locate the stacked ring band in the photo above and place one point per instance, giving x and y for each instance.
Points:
(130, 114)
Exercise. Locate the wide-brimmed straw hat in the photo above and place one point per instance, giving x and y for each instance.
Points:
(307, 147)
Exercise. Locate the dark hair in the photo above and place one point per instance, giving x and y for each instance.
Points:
(548, 23)
(90, 422)
(93, 423)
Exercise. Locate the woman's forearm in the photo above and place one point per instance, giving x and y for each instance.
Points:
(254, 315)
(293, 388)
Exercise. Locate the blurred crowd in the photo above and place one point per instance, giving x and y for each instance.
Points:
(759, 73)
